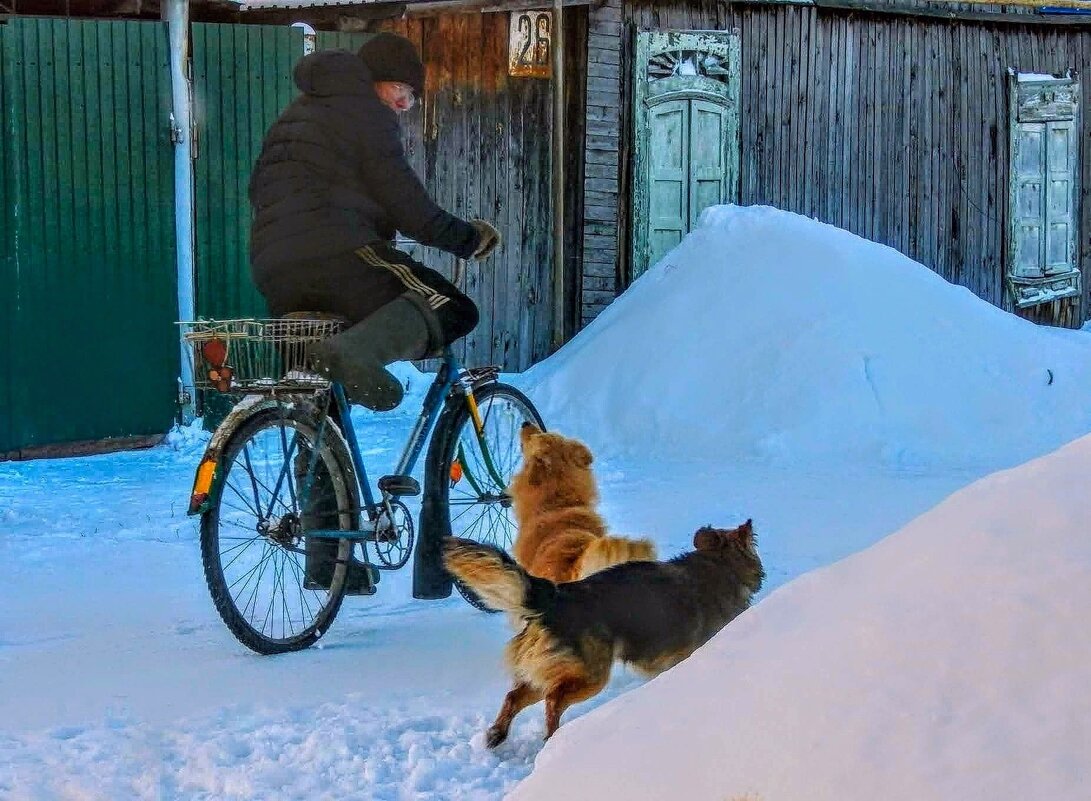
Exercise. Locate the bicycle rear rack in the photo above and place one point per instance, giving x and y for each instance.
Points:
(256, 355)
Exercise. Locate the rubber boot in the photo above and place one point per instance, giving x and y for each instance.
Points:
(357, 358)
(320, 512)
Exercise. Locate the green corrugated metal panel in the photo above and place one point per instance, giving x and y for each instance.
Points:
(242, 81)
(91, 166)
(8, 299)
(338, 40)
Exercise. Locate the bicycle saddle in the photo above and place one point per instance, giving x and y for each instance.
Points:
(314, 315)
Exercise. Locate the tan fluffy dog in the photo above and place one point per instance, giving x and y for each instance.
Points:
(561, 536)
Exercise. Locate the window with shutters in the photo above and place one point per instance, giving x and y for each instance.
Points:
(1042, 219)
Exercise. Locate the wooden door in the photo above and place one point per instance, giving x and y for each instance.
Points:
(686, 137)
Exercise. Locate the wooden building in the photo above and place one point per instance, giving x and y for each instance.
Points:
(953, 133)
(120, 217)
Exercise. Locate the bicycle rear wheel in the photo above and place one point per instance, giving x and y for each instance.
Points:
(253, 537)
(478, 467)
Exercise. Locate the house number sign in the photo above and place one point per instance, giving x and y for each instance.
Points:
(530, 43)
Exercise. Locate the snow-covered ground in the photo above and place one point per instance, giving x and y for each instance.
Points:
(833, 410)
(949, 661)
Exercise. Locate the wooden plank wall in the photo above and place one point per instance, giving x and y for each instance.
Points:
(480, 141)
(891, 127)
(601, 237)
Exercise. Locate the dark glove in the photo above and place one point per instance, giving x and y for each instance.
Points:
(488, 238)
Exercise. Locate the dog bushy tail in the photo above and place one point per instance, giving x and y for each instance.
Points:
(604, 552)
(496, 578)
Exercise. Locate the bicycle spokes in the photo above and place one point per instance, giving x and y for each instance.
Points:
(270, 493)
(485, 459)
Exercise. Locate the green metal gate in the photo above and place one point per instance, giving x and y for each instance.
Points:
(7, 268)
(88, 288)
(242, 77)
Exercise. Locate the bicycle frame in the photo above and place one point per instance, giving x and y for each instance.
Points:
(447, 376)
(207, 483)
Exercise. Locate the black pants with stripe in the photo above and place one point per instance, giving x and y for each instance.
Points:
(355, 285)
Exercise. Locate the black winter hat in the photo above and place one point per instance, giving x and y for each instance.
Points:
(393, 58)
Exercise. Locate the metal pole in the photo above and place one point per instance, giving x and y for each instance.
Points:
(558, 175)
(177, 16)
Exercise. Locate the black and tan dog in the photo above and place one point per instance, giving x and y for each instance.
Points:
(649, 614)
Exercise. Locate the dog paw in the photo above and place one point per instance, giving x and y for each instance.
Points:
(494, 736)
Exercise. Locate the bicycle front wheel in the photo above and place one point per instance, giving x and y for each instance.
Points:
(478, 467)
(254, 537)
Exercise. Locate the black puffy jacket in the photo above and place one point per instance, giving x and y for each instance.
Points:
(332, 176)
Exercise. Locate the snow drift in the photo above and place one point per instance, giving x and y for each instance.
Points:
(948, 661)
(768, 334)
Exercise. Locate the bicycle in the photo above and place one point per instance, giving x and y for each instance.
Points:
(284, 468)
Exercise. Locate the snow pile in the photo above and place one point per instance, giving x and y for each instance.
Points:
(188, 438)
(768, 334)
(949, 661)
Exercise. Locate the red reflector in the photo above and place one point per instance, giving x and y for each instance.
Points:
(196, 501)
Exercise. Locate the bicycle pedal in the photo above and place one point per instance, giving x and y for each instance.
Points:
(399, 486)
(361, 579)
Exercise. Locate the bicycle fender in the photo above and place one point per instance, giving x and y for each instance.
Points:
(431, 581)
(208, 482)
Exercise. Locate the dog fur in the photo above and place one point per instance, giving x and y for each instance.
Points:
(651, 615)
(560, 535)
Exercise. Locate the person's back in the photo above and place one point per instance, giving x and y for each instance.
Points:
(307, 195)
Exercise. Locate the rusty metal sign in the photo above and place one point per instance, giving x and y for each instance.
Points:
(530, 44)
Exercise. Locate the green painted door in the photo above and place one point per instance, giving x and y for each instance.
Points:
(686, 136)
(708, 173)
(668, 219)
(88, 289)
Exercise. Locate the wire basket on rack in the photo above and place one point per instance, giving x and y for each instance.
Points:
(256, 355)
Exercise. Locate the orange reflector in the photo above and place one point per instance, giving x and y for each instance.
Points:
(202, 485)
(204, 476)
(456, 471)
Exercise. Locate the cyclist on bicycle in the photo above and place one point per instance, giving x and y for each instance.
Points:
(329, 190)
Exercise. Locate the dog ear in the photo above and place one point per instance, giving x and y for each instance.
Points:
(528, 432)
(745, 533)
(581, 455)
(707, 539)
